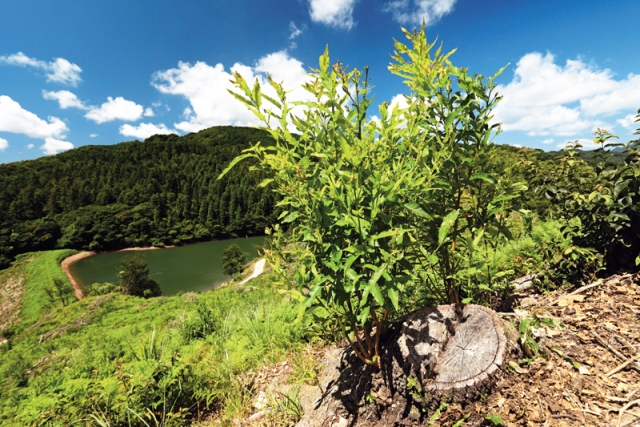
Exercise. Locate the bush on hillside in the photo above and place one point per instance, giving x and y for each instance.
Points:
(233, 259)
(134, 278)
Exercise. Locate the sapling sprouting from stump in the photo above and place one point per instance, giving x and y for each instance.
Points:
(370, 204)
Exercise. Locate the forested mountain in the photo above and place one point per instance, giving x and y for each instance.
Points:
(163, 191)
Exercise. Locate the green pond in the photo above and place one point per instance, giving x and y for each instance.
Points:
(194, 267)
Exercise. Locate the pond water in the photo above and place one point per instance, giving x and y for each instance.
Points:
(189, 268)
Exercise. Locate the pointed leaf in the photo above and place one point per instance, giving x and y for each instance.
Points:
(415, 209)
(447, 223)
(234, 162)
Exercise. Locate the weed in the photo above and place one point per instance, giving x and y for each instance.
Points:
(283, 409)
(493, 419)
(436, 415)
(305, 367)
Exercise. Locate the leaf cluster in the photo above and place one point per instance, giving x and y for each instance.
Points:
(370, 205)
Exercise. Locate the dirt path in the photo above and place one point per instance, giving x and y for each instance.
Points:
(65, 267)
(258, 268)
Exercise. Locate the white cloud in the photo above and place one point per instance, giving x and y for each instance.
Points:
(145, 130)
(295, 31)
(3, 144)
(59, 70)
(63, 71)
(148, 112)
(548, 141)
(206, 88)
(93, 135)
(65, 98)
(418, 11)
(629, 122)
(400, 100)
(335, 13)
(547, 99)
(54, 146)
(115, 109)
(15, 119)
(30, 146)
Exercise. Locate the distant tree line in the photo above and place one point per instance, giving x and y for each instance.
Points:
(163, 191)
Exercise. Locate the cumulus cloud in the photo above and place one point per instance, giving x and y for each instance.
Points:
(145, 130)
(15, 119)
(93, 135)
(30, 146)
(115, 109)
(418, 11)
(400, 100)
(148, 112)
(54, 146)
(629, 122)
(59, 70)
(548, 99)
(206, 86)
(3, 144)
(335, 13)
(548, 141)
(65, 98)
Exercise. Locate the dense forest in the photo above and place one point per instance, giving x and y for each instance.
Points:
(163, 191)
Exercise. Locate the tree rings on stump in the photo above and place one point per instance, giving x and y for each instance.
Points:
(454, 356)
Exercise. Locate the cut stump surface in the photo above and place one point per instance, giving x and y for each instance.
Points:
(453, 356)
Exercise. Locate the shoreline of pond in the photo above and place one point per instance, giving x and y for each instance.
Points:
(80, 289)
(66, 263)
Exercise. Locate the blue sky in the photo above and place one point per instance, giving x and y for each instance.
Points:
(101, 72)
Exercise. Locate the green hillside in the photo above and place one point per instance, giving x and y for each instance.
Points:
(162, 191)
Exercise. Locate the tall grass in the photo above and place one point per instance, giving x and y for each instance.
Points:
(40, 273)
(118, 360)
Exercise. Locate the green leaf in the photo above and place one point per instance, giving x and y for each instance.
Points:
(347, 151)
(485, 177)
(415, 209)
(265, 182)
(394, 296)
(447, 223)
(377, 274)
(377, 294)
(494, 419)
(384, 234)
(291, 217)
(234, 162)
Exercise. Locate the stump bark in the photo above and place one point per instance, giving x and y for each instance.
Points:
(454, 356)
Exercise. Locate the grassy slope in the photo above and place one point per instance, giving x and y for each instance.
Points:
(114, 357)
(118, 361)
(34, 273)
(39, 274)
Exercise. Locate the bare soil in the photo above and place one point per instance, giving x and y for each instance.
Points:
(65, 267)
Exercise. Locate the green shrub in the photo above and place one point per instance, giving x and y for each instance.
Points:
(233, 259)
(368, 203)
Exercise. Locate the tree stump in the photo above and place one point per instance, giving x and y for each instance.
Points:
(454, 356)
